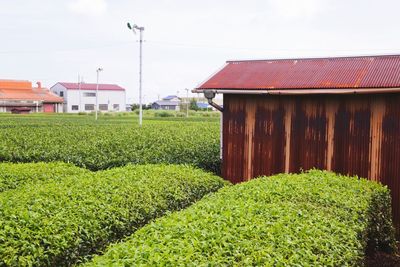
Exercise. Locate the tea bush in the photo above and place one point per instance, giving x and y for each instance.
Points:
(112, 142)
(14, 175)
(59, 222)
(311, 219)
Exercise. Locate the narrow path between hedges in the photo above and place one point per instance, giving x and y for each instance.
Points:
(381, 259)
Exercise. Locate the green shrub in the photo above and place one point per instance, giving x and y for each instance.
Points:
(61, 222)
(181, 114)
(14, 175)
(311, 219)
(163, 114)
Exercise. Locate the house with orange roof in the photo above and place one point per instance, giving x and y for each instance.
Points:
(21, 97)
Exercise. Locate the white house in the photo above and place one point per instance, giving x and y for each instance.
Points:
(82, 97)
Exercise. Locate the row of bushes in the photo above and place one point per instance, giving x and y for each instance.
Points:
(102, 146)
(59, 222)
(311, 219)
(165, 113)
(15, 175)
(50, 119)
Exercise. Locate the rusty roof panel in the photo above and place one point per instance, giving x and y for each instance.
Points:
(313, 73)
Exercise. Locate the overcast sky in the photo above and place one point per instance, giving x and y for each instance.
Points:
(186, 41)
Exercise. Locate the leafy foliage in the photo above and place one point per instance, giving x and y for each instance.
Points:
(311, 219)
(193, 104)
(15, 175)
(112, 142)
(56, 222)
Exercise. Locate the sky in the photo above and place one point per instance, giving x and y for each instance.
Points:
(185, 42)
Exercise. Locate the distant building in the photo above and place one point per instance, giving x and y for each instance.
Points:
(201, 102)
(170, 102)
(203, 105)
(21, 97)
(172, 98)
(166, 105)
(83, 98)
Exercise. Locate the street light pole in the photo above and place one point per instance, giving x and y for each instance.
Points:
(140, 29)
(97, 91)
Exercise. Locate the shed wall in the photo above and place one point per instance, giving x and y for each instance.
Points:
(348, 134)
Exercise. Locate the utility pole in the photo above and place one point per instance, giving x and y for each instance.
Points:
(97, 91)
(187, 103)
(140, 29)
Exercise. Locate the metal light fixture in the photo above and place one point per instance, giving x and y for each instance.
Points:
(97, 91)
(209, 94)
(133, 28)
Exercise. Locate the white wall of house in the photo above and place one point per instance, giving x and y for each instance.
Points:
(61, 91)
(108, 100)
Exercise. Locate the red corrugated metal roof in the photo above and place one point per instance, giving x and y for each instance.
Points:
(92, 86)
(308, 73)
(23, 90)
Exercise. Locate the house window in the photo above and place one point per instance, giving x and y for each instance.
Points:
(75, 107)
(89, 106)
(103, 107)
(116, 107)
(89, 94)
(61, 93)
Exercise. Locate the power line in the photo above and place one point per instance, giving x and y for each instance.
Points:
(206, 46)
(269, 49)
(66, 49)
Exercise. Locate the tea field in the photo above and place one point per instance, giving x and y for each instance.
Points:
(315, 218)
(112, 141)
(74, 191)
(62, 219)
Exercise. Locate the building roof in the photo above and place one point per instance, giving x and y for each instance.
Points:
(169, 97)
(23, 90)
(203, 105)
(167, 103)
(92, 86)
(337, 73)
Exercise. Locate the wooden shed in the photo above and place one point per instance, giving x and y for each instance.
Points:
(287, 115)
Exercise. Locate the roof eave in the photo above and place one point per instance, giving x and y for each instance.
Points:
(299, 91)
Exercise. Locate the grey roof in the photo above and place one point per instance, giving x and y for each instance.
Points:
(167, 103)
(169, 97)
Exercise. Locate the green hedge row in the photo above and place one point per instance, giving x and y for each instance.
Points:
(14, 175)
(311, 219)
(60, 222)
(110, 143)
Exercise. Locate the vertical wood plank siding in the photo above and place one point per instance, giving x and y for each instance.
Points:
(348, 134)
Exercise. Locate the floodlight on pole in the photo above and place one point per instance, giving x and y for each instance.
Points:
(97, 91)
(133, 28)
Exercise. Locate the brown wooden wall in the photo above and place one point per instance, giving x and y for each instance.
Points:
(348, 134)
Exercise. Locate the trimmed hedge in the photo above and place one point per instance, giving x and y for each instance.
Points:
(62, 222)
(311, 219)
(110, 143)
(14, 175)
